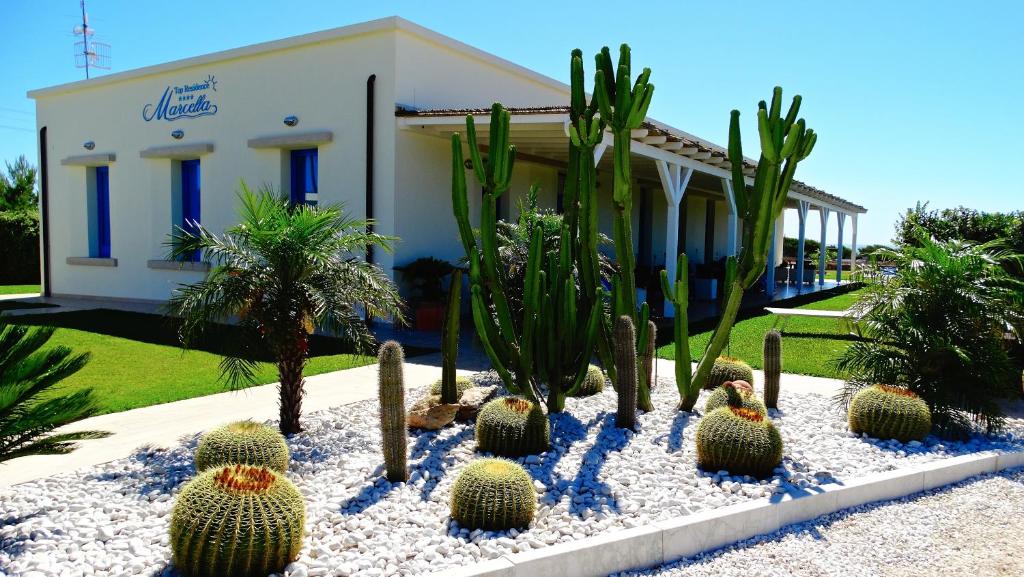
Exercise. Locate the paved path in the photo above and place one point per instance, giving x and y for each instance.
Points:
(973, 528)
(162, 425)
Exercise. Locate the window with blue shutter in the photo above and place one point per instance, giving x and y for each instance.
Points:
(101, 218)
(304, 176)
(190, 200)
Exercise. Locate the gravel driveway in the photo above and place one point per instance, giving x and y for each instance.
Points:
(973, 528)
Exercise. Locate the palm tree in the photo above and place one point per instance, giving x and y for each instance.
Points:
(937, 327)
(28, 408)
(282, 273)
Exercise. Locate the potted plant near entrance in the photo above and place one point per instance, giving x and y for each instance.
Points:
(424, 279)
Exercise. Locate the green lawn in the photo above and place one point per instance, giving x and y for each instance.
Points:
(140, 366)
(808, 346)
(14, 289)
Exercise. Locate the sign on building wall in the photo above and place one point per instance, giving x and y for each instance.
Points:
(184, 101)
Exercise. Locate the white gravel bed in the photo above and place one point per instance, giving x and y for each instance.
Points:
(111, 520)
(972, 528)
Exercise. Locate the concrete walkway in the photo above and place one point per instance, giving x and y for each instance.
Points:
(163, 425)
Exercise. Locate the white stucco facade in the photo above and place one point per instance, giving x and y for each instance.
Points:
(321, 80)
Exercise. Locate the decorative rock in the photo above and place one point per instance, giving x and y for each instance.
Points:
(433, 418)
(473, 399)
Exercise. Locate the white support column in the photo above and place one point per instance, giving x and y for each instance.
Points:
(674, 179)
(841, 216)
(802, 207)
(733, 221)
(853, 246)
(821, 253)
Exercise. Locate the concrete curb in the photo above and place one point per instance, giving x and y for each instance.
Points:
(680, 537)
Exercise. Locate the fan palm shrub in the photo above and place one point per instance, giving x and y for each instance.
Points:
(936, 328)
(283, 272)
(29, 409)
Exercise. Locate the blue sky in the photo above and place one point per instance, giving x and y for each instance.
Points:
(913, 100)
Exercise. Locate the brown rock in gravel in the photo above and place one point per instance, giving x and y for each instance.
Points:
(473, 399)
(433, 417)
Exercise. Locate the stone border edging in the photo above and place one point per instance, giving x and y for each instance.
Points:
(680, 537)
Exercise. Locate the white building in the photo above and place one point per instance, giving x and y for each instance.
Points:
(357, 115)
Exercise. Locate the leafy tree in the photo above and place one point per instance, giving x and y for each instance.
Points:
(964, 224)
(937, 327)
(29, 410)
(284, 272)
(18, 186)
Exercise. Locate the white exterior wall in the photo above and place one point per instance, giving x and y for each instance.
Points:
(324, 84)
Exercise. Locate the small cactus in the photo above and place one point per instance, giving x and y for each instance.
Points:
(728, 369)
(512, 427)
(646, 357)
(450, 341)
(623, 343)
(885, 412)
(772, 367)
(243, 443)
(462, 384)
(393, 427)
(236, 520)
(493, 494)
(741, 441)
(735, 394)
(593, 383)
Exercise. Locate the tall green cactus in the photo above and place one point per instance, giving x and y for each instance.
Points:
(393, 427)
(645, 365)
(678, 294)
(785, 142)
(625, 359)
(450, 340)
(772, 367)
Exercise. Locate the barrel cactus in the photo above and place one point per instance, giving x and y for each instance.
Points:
(739, 440)
(728, 369)
(394, 429)
(512, 427)
(462, 384)
(236, 520)
(493, 494)
(243, 443)
(735, 394)
(772, 367)
(593, 383)
(886, 412)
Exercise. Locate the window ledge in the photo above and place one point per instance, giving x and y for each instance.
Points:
(99, 159)
(91, 261)
(178, 151)
(292, 139)
(184, 265)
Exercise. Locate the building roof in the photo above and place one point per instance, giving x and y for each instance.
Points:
(653, 133)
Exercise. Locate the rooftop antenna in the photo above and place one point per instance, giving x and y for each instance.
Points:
(88, 52)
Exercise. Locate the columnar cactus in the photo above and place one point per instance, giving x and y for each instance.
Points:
(772, 367)
(741, 441)
(243, 443)
(678, 293)
(886, 412)
(512, 427)
(625, 362)
(393, 427)
(735, 394)
(450, 340)
(493, 494)
(645, 364)
(593, 383)
(728, 369)
(236, 520)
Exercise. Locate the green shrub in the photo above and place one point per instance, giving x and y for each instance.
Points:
(741, 441)
(728, 369)
(19, 237)
(243, 443)
(512, 427)
(236, 520)
(885, 412)
(734, 394)
(462, 384)
(593, 383)
(493, 494)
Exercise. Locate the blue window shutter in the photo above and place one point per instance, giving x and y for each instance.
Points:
(102, 212)
(190, 199)
(304, 166)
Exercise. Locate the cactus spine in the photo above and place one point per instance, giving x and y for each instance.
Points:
(450, 340)
(785, 142)
(772, 367)
(236, 520)
(393, 428)
(625, 361)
